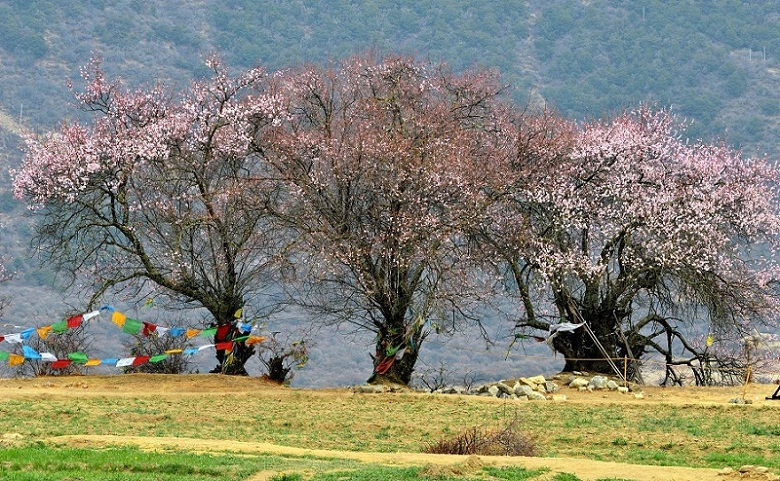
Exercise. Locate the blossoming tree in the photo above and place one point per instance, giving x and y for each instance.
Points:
(639, 234)
(159, 190)
(377, 156)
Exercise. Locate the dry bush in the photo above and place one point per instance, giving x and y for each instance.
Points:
(507, 441)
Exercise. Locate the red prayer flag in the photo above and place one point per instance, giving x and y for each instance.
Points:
(75, 321)
(149, 328)
(222, 332)
(61, 363)
(140, 360)
(224, 346)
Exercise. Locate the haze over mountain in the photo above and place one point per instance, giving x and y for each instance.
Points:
(713, 62)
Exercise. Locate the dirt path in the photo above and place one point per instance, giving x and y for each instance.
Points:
(586, 470)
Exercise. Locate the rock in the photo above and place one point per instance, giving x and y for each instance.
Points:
(612, 385)
(578, 382)
(493, 390)
(536, 396)
(622, 389)
(524, 390)
(559, 397)
(725, 471)
(550, 386)
(639, 395)
(504, 388)
(748, 468)
(533, 381)
(369, 389)
(12, 436)
(598, 382)
(737, 400)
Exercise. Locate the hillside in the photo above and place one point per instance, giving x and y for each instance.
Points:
(713, 62)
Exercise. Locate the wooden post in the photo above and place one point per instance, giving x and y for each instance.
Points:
(625, 371)
(747, 380)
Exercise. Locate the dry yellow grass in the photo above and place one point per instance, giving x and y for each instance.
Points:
(676, 426)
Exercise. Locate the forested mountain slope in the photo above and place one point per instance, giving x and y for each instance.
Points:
(715, 63)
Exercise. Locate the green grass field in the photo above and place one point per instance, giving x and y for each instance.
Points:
(42, 422)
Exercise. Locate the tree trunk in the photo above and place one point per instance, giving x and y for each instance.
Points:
(396, 356)
(231, 362)
(582, 354)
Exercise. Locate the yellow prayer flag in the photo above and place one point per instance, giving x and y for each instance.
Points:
(15, 360)
(192, 332)
(92, 362)
(174, 351)
(239, 313)
(710, 340)
(118, 318)
(254, 340)
(43, 332)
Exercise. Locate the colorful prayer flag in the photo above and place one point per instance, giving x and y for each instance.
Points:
(125, 361)
(74, 321)
(30, 353)
(158, 358)
(59, 327)
(78, 357)
(118, 318)
(43, 332)
(132, 326)
(15, 360)
(140, 360)
(61, 363)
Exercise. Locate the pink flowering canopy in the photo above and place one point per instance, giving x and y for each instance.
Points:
(158, 189)
(377, 155)
(631, 227)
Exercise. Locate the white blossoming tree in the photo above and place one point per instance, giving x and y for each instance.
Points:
(645, 237)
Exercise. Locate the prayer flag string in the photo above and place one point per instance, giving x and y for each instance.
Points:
(127, 325)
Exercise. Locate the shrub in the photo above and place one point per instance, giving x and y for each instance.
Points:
(506, 441)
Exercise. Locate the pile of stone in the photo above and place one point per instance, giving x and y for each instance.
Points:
(536, 388)
(539, 388)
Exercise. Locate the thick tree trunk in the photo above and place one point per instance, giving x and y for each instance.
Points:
(396, 356)
(231, 361)
(582, 353)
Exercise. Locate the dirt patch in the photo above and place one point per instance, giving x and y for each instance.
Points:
(586, 470)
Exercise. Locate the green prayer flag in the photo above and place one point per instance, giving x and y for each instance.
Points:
(158, 358)
(208, 332)
(78, 357)
(132, 326)
(4, 356)
(59, 327)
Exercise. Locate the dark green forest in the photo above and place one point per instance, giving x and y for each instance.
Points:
(716, 63)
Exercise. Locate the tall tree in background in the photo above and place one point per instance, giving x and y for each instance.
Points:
(376, 154)
(161, 191)
(624, 226)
